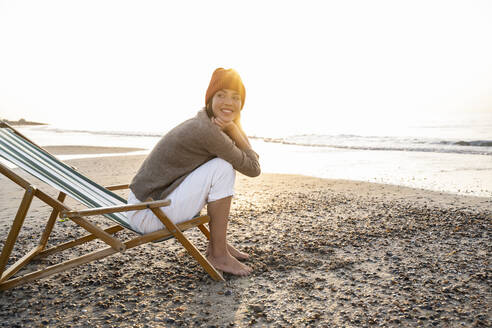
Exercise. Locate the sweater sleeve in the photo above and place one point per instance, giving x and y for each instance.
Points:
(244, 161)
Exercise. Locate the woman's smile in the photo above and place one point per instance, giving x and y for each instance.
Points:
(227, 111)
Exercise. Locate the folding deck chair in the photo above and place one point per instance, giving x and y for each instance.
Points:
(33, 159)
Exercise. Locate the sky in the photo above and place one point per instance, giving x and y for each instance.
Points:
(308, 66)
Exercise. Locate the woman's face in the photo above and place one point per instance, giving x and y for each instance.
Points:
(226, 104)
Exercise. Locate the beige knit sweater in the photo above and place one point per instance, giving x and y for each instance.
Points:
(183, 149)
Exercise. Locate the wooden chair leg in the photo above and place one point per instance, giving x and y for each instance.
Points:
(16, 226)
(57, 268)
(100, 233)
(51, 222)
(190, 248)
(96, 255)
(87, 238)
(204, 230)
(19, 264)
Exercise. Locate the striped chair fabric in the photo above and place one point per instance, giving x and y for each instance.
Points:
(57, 174)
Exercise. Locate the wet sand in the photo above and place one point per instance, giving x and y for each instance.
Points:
(325, 253)
(76, 150)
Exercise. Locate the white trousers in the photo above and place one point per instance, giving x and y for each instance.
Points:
(211, 181)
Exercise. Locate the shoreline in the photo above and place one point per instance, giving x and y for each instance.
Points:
(325, 252)
(72, 152)
(464, 174)
(88, 150)
(21, 123)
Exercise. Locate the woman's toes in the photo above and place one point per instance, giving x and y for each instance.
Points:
(236, 253)
(230, 264)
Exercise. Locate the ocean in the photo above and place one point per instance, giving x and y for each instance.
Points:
(452, 158)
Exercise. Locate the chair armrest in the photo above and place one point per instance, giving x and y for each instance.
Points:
(118, 187)
(115, 209)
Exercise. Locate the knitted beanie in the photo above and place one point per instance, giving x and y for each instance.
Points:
(225, 79)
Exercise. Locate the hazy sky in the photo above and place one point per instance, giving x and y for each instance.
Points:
(307, 65)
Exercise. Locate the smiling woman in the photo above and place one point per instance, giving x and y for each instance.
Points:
(225, 96)
(194, 165)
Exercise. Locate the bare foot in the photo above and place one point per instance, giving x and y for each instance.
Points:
(229, 264)
(234, 252)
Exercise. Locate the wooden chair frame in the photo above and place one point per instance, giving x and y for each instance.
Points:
(115, 245)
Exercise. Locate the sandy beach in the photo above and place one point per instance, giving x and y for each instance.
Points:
(325, 253)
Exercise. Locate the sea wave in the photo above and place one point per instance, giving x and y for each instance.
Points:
(388, 143)
(476, 143)
(339, 141)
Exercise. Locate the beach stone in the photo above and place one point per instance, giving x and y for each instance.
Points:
(257, 308)
(431, 282)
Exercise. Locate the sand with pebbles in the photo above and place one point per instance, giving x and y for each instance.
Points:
(325, 253)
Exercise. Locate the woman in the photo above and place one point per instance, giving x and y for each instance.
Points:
(194, 164)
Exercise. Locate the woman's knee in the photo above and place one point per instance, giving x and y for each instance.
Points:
(223, 179)
(222, 168)
(221, 164)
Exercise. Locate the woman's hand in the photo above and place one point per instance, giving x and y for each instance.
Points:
(223, 125)
(234, 132)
